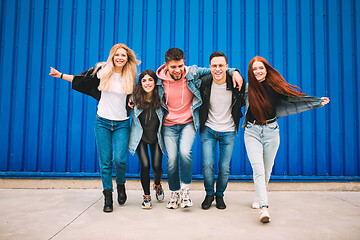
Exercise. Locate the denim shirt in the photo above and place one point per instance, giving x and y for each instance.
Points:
(136, 130)
(289, 106)
(193, 82)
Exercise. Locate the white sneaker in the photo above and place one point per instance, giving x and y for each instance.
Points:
(264, 216)
(185, 198)
(255, 205)
(174, 200)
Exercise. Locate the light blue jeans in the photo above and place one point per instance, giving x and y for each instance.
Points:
(262, 143)
(178, 141)
(111, 142)
(209, 139)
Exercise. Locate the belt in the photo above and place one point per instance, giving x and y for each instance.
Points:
(256, 122)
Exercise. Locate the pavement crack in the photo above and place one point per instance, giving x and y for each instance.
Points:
(345, 200)
(62, 229)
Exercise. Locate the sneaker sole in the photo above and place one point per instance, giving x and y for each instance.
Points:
(186, 205)
(144, 207)
(265, 219)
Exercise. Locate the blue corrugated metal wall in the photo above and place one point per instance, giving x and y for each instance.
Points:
(47, 129)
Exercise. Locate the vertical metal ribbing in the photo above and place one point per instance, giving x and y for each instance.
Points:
(27, 81)
(341, 82)
(271, 30)
(144, 32)
(285, 64)
(257, 25)
(354, 5)
(102, 27)
(13, 85)
(172, 23)
(158, 33)
(216, 25)
(327, 75)
(300, 76)
(187, 32)
(201, 33)
(229, 29)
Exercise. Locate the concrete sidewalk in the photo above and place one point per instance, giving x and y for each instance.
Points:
(77, 214)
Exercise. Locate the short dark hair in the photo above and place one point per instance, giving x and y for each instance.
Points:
(174, 54)
(218, 54)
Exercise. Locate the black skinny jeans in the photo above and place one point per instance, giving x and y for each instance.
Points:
(156, 160)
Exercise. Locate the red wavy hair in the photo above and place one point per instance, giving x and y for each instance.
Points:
(259, 103)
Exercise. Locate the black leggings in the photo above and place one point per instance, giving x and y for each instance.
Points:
(156, 157)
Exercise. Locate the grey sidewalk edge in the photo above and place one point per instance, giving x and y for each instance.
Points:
(6, 183)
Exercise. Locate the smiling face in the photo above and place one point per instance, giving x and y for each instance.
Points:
(259, 70)
(176, 69)
(120, 58)
(218, 67)
(148, 83)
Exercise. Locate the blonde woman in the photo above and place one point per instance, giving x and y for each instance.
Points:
(110, 83)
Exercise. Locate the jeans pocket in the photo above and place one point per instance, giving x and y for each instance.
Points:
(273, 125)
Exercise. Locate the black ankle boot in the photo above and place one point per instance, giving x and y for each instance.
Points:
(220, 204)
(206, 204)
(108, 205)
(121, 194)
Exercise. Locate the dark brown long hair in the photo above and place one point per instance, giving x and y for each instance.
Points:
(140, 94)
(259, 103)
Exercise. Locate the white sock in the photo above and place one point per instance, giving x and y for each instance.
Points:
(185, 186)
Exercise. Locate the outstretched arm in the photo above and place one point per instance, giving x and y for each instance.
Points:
(57, 74)
(325, 100)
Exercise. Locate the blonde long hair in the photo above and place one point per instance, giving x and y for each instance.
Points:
(128, 74)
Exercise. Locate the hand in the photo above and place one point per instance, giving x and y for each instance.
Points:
(325, 100)
(237, 80)
(54, 73)
(131, 104)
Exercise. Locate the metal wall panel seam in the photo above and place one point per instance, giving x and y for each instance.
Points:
(173, 27)
(201, 33)
(327, 76)
(299, 135)
(356, 74)
(229, 29)
(186, 28)
(341, 74)
(27, 83)
(144, 32)
(271, 30)
(215, 25)
(3, 154)
(349, 87)
(158, 34)
(116, 22)
(13, 84)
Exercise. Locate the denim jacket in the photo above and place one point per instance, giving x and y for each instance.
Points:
(289, 106)
(193, 83)
(136, 130)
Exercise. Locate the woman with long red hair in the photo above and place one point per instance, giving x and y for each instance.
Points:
(269, 97)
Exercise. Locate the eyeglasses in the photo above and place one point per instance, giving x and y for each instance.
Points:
(214, 66)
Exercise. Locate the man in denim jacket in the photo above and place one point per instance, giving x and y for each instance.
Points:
(180, 97)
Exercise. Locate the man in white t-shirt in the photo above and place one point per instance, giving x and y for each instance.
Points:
(220, 115)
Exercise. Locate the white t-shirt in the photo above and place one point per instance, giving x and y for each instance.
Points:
(112, 104)
(219, 117)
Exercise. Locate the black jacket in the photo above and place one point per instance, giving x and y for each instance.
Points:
(87, 84)
(237, 99)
